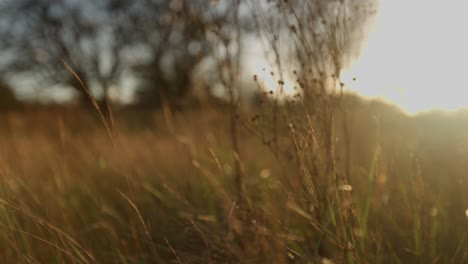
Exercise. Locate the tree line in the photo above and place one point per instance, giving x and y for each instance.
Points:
(96, 48)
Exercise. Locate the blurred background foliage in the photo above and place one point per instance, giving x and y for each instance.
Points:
(152, 48)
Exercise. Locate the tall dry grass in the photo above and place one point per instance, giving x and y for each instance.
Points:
(70, 194)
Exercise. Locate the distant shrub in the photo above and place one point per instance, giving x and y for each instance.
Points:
(8, 99)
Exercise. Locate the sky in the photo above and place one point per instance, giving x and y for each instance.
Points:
(415, 56)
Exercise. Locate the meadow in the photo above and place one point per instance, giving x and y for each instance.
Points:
(161, 187)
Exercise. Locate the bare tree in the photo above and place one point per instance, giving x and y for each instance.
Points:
(44, 34)
(159, 42)
(178, 42)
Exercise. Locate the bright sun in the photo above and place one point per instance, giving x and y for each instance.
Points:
(415, 56)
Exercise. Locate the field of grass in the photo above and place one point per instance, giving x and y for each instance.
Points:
(160, 188)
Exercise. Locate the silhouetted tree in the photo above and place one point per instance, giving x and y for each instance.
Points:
(177, 43)
(159, 42)
(46, 34)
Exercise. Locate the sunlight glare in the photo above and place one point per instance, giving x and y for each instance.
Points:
(269, 81)
(415, 57)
